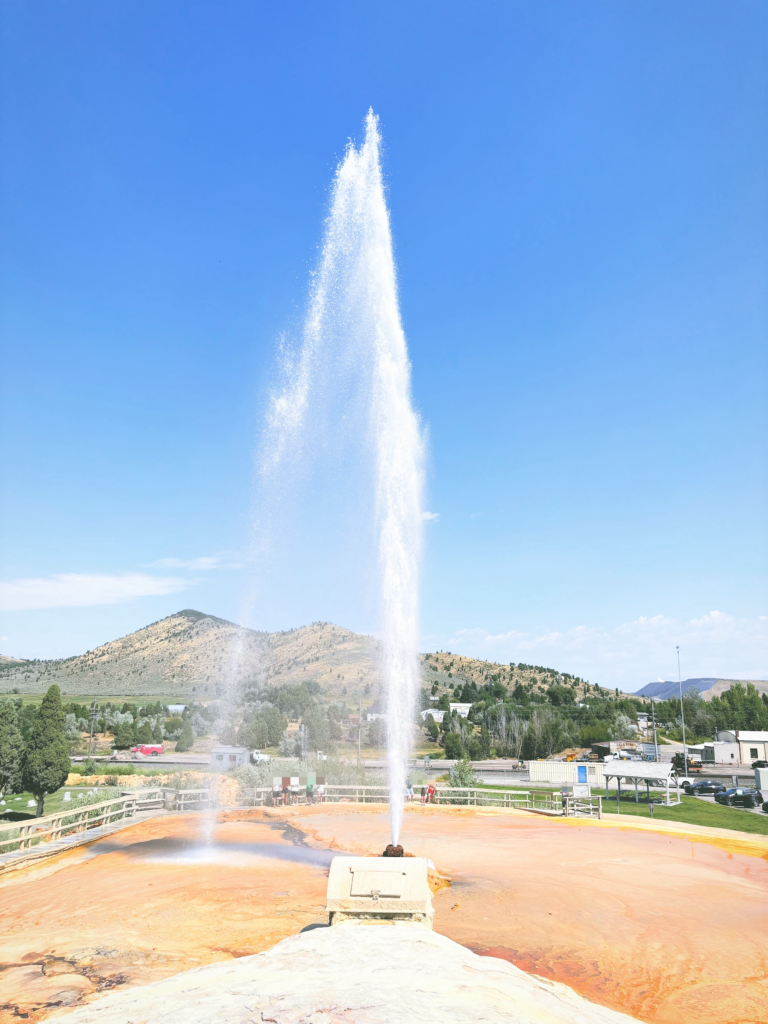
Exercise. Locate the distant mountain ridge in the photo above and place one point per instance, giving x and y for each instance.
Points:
(194, 656)
(707, 687)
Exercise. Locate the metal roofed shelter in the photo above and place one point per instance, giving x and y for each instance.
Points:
(640, 771)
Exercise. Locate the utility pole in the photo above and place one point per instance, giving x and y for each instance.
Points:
(93, 715)
(655, 741)
(682, 711)
(359, 726)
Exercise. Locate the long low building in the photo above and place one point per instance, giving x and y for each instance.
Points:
(752, 744)
(567, 772)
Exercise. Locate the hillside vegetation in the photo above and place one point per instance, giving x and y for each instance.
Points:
(191, 655)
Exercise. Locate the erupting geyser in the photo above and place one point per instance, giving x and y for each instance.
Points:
(354, 350)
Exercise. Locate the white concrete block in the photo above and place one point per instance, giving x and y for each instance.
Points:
(379, 889)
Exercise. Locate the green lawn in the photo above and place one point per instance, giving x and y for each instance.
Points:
(691, 810)
(16, 808)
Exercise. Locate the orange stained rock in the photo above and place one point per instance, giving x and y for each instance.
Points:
(663, 926)
(143, 905)
(656, 923)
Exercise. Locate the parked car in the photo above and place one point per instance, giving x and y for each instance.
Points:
(151, 749)
(257, 757)
(743, 796)
(765, 806)
(760, 764)
(703, 786)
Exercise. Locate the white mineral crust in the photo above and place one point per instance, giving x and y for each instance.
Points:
(351, 974)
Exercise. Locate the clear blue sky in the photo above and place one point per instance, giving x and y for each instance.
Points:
(578, 198)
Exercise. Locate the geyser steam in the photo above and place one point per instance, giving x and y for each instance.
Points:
(354, 348)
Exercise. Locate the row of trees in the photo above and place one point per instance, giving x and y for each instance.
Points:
(40, 763)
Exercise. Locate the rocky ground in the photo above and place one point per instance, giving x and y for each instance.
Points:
(353, 974)
(661, 922)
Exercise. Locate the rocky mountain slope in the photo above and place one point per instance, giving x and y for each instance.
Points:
(191, 655)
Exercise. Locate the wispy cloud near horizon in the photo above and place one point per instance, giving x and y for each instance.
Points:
(634, 653)
(204, 563)
(81, 589)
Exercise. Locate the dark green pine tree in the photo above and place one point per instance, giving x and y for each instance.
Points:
(11, 749)
(187, 738)
(46, 760)
(124, 736)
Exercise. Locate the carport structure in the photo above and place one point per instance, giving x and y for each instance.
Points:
(640, 771)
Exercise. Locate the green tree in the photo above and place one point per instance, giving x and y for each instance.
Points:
(45, 765)
(157, 732)
(431, 726)
(144, 732)
(124, 736)
(453, 748)
(187, 738)
(318, 728)
(11, 749)
(377, 732)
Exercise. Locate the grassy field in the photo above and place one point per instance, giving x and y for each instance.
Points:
(692, 810)
(15, 808)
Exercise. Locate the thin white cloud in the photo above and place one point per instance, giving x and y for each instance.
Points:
(430, 517)
(205, 563)
(634, 653)
(79, 589)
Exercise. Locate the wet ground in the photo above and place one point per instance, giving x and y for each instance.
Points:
(661, 926)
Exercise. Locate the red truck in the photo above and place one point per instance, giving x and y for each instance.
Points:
(148, 748)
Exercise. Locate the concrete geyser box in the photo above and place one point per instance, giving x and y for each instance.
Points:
(379, 889)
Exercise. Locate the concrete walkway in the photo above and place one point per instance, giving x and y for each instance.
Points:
(17, 859)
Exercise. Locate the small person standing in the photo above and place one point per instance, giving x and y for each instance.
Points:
(423, 794)
(409, 790)
(431, 793)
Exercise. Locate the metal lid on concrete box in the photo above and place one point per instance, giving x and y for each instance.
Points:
(381, 888)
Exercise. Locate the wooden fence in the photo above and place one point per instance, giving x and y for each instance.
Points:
(527, 800)
(23, 835)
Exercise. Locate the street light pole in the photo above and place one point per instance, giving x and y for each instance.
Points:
(655, 741)
(93, 714)
(682, 712)
(359, 726)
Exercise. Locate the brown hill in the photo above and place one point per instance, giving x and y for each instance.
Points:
(191, 655)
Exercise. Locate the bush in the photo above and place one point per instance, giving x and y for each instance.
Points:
(462, 773)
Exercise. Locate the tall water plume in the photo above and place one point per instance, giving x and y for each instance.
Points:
(349, 383)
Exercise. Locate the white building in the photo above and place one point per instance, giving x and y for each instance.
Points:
(437, 715)
(225, 757)
(720, 752)
(567, 772)
(462, 710)
(753, 745)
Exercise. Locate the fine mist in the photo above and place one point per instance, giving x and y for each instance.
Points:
(348, 388)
